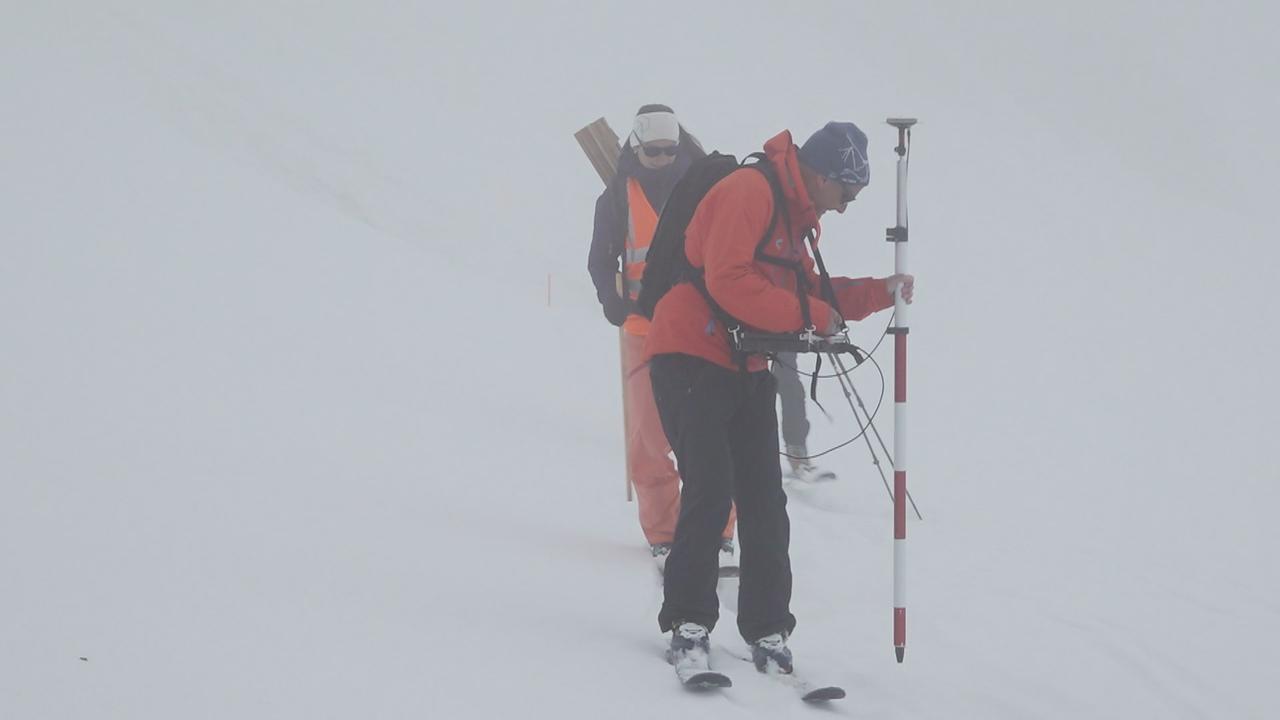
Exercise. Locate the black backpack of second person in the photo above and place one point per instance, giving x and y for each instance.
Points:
(666, 264)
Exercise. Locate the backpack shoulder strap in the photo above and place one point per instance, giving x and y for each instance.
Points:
(762, 164)
(766, 168)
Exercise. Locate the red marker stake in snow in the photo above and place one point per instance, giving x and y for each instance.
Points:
(898, 236)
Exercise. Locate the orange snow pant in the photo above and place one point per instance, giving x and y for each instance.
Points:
(649, 461)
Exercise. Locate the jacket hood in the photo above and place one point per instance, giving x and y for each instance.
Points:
(782, 152)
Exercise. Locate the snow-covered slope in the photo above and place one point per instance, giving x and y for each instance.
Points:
(307, 409)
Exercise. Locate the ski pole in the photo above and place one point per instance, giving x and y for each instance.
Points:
(843, 377)
(898, 236)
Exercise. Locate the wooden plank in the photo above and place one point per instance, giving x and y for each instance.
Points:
(601, 145)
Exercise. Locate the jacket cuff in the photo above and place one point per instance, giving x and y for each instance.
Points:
(884, 288)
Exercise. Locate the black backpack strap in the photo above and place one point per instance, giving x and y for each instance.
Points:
(828, 290)
(780, 204)
(697, 276)
(730, 323)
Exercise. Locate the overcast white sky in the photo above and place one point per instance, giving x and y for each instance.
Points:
(273, 330)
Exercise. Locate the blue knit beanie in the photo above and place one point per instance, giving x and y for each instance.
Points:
(838, 151)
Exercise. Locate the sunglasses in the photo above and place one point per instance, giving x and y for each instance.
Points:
(849, 193)
(654, 152)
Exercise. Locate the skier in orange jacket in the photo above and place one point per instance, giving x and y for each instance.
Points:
(719, 411)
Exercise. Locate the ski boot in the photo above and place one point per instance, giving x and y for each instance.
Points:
(660, 552)
(728, 559)
(800, 468)
(690, 654)
(772, 648)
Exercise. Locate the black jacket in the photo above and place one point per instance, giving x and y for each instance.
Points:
(609, 237)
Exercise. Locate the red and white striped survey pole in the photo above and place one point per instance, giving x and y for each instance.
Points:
(898, 236)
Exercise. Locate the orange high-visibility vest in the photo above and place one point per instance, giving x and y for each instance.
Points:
(642, 220)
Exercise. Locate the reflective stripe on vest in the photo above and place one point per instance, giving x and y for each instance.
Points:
(642, 220)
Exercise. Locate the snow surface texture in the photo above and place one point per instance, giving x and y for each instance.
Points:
(307, 409)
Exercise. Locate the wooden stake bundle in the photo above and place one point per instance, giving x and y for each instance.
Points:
(601, 145)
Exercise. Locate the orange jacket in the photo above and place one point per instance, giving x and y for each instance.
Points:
(721, 239)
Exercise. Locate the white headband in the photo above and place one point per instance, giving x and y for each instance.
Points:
(656, 126)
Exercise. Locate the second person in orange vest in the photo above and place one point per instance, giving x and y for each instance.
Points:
(654, 158)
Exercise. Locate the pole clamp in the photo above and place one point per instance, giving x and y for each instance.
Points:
(896, 234)
(810, 336)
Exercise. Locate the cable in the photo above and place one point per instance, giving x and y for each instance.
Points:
(862, 429)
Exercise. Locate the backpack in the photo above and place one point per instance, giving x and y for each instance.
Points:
(666, 264)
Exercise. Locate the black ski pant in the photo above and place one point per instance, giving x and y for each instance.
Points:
(723, 426)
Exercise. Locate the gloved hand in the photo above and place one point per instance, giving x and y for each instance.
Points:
(616, 309)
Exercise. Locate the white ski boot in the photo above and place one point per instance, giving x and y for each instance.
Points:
(803, 470)
(660, 552)
(772, 649)
(728, 559)
(690, 654)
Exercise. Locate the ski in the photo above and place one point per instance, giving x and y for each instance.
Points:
(690, 655)
(813, 476)
(807, 690)
(704, 680)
